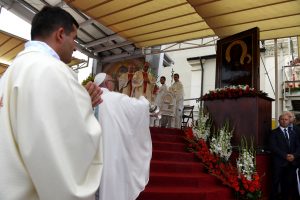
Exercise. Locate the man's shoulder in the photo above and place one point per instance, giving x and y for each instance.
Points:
(36, 57)
(276, 130)
(296, 128)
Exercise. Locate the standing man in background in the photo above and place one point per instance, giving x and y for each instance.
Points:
(49, 137)
(285, 148)
(177, 90)
(161, 91)
(292, 126)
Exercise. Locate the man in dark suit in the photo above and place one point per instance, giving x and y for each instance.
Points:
(285, 148)
(292, 125)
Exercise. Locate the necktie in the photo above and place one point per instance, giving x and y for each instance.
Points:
(286, 135)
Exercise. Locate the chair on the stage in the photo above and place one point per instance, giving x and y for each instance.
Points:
(187, 115)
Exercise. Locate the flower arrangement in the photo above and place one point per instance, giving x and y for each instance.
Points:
(202, 129)
(220, 143)
(242, 178)
(249, 179)
(233, 92)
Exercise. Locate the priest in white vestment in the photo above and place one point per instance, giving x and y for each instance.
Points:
(177, 90)
(49, 137)
(126, 141)
(158, 100)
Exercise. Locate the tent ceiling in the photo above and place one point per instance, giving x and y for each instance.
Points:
(114, 29)
(275, 18)
(3, 67)
(10, 46)
(147, 23)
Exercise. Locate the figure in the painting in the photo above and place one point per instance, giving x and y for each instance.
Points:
(144, 83)
(125, 81)
(237, 65)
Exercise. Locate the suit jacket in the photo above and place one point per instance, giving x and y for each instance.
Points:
(296, 129)
(280, 147)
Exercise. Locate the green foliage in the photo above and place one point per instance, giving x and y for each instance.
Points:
(88, 79)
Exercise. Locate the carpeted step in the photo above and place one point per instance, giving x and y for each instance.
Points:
(168, 146)
(173, 156)
(166, 130)
(175, 166)
(186, 193)
(167, 138)
(176, 174)
(182, 180)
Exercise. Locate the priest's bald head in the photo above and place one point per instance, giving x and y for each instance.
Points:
(105, 81)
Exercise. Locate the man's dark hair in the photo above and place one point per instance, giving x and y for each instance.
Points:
(176, 75)
(163, 77)
(49, 19)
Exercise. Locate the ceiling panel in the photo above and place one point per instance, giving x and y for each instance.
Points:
(275, 18)
(3, 67)
(180, 37)
(10, 46)
(148, 22)
(161, 25)
(169, 32)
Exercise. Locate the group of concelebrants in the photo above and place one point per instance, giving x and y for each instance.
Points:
(143, 83)
(51, 144)
(52, 147)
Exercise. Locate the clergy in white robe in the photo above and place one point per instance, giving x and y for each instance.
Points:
(49, 138)
(177, 89)
(158, 101)
(127, 146)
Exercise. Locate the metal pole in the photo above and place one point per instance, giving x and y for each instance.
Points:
(202, 76)
(276, 82)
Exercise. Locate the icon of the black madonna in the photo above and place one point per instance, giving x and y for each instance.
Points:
(238, 60)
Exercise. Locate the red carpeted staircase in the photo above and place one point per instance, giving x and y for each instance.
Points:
(176, 175)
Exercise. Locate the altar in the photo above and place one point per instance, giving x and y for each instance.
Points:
(250, 117)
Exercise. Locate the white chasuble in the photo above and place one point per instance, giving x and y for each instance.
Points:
(177, 90)
(49, 138)
(127, 146)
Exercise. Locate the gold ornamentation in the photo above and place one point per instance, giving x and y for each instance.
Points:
(244, 51)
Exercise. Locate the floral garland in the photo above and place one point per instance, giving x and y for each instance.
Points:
(243, 178)
(232, 92)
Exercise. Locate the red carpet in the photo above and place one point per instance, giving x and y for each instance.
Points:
(176, 175)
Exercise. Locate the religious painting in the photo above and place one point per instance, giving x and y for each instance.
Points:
(238, 59)
(116, 69)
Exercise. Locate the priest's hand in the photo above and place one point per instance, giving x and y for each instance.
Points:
(94, 92)
(290, 157)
